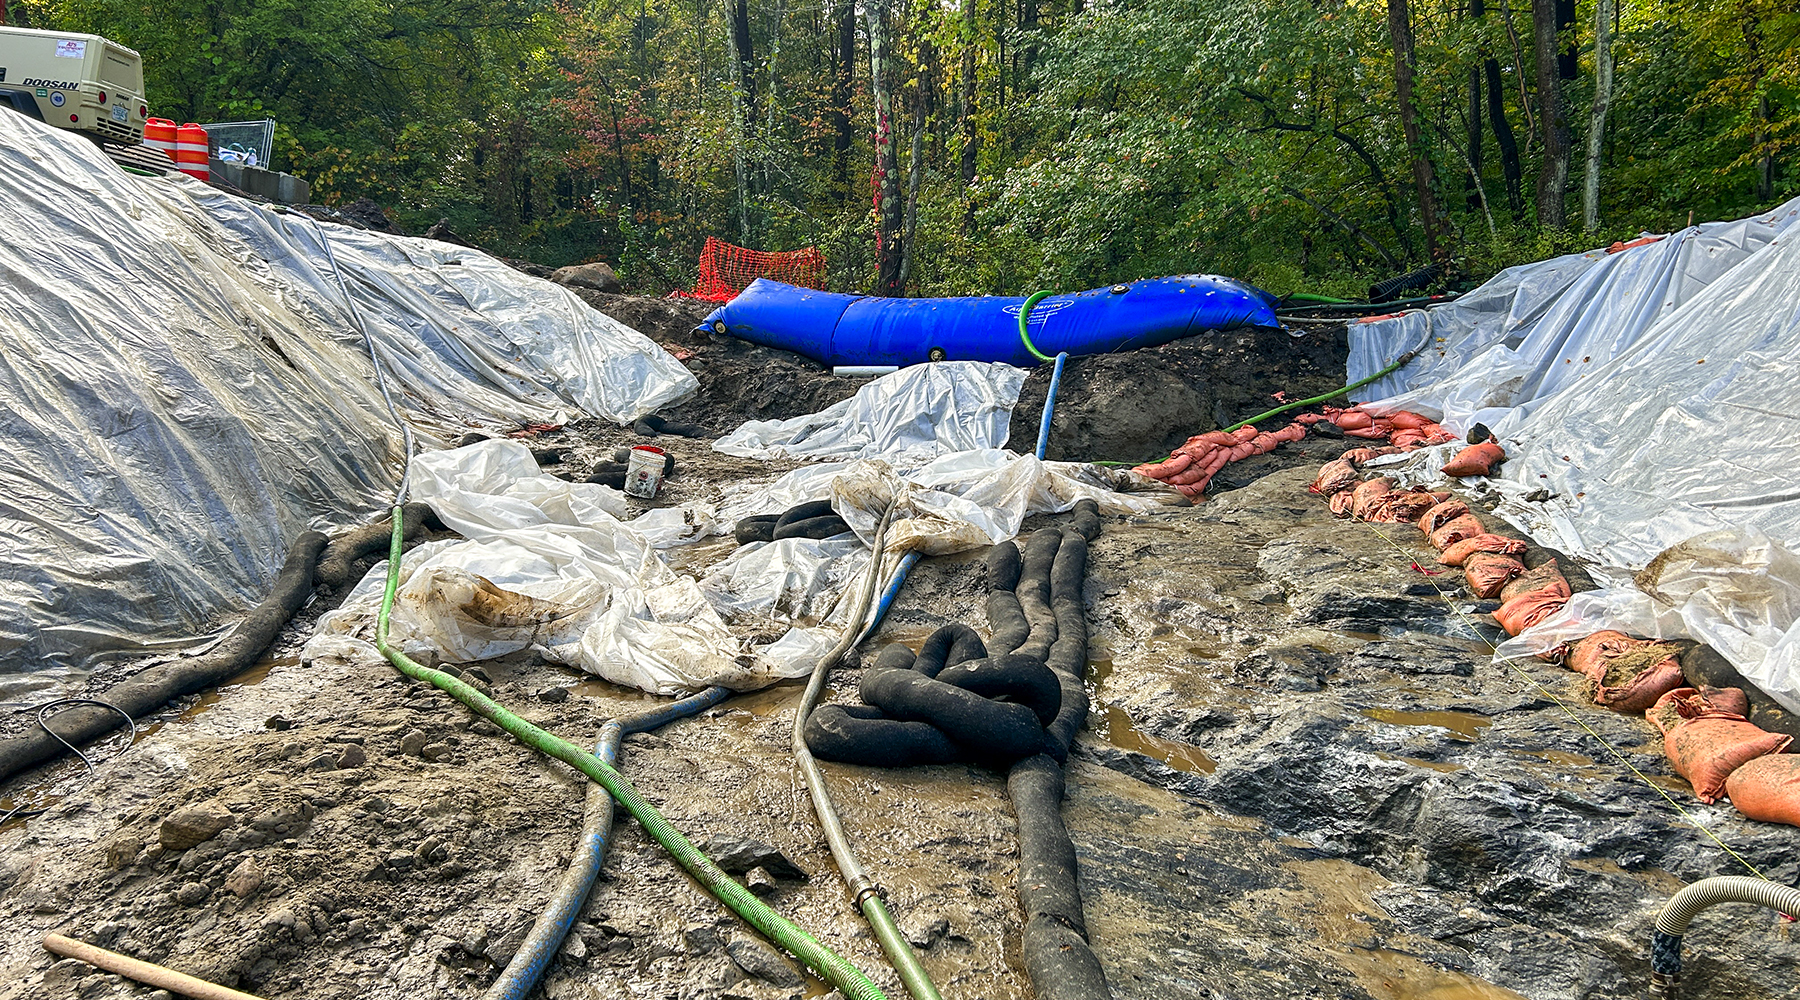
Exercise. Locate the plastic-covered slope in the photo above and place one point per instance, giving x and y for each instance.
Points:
(836, 329)
(183, 389)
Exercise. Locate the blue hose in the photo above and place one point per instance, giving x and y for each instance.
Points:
(907, 562)
(552, 926)
(1050, 405)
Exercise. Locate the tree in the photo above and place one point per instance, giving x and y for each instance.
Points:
(1400, 27)
(1553, 172)
(1603, 80)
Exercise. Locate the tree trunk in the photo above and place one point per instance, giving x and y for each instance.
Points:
(1473, 195)
(844, 73)
(914, 171)
(1765, 162)
(1603, 81)
(885, 179)
(965, 110)
(1553, 174)
(1510, 168)
(746, 56)
(1400, 26)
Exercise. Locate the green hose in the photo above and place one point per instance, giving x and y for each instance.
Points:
(1352, 387)
(1024, 334)
(832, 968)
(1309, 297)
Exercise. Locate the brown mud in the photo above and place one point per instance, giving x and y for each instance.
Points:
(1302, 776)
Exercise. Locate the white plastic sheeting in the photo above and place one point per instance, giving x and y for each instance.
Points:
(1537, 329)
(915, 414)
(547, 565)
(1680, 428)
(184, 389)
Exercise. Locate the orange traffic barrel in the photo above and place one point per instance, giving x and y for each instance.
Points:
(159, 133)
(191, 151)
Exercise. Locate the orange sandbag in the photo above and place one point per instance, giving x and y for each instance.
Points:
(1441, 514)
(1341, 501)
(1627, 674)
(1335, 475)
(1767, 788)
(1455, 554)
(1400, 506)
(1526, 610)
(1475, 460)
(1707, 749)
(1455, 530)
(1372, 432)
(1407, 420)
(1366, 494)
(1545, 577)
(1487, 572)
(1352, 420)
(1407, 440)
(1357, 456)
(1683, 703)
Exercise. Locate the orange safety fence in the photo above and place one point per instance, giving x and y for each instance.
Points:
(726, 270)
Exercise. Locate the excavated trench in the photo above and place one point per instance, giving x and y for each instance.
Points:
(1302, 777)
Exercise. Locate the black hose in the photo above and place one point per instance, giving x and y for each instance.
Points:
(1383, 291)
(153, 687)
(940, 706)
(812, 527)
(337, 565)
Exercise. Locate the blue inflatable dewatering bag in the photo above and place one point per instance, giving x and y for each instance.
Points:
(835, 329)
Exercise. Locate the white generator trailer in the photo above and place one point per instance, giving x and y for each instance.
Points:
(79, 82)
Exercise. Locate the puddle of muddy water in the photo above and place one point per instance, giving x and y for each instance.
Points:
(1390, 975)
(1559, 757)
(1464, 726)
(1441, 766)
(1115, 725)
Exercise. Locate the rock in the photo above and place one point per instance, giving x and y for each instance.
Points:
(413, 742)
(194, 824)
(597, 276)
(435, 751)
(245, 879)
(701, 940)
(352, 756)
(573, 947)
(322, 762)
(432, 850)
(501, 950)
(554, 695)
(192, 894)
(278, 723)
(923, 930)
(762, 962)
(738, 855)
(760, 882)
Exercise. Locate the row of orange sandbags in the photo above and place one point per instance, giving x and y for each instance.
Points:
(1706, 734)
(1193, 465)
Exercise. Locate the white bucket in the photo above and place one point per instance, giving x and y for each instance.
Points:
(644, 471)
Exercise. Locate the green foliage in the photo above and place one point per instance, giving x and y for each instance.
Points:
(1115, 138)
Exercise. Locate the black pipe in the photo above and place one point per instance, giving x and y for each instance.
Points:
(1383, 291)
(153, 687)
(337, 565)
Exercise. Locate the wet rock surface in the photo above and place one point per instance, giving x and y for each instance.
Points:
(1303, 777)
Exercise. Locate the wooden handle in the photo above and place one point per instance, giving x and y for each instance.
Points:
(143, 972)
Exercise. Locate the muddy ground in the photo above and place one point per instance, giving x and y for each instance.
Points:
(1302, 777)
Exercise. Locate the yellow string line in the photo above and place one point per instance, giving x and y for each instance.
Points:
(1470, 623)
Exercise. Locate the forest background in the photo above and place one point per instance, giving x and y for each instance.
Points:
(995, 146)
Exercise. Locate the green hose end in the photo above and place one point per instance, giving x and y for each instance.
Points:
(1024, 333)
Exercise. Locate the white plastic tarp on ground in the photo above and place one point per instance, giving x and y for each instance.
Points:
(913, 415)
(1690, 427)
(184, 389)
(548, 565)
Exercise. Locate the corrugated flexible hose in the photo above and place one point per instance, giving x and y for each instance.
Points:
(777, 928)
(1672, 922)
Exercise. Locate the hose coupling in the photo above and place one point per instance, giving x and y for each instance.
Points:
(872, 889)
(1662, 984)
